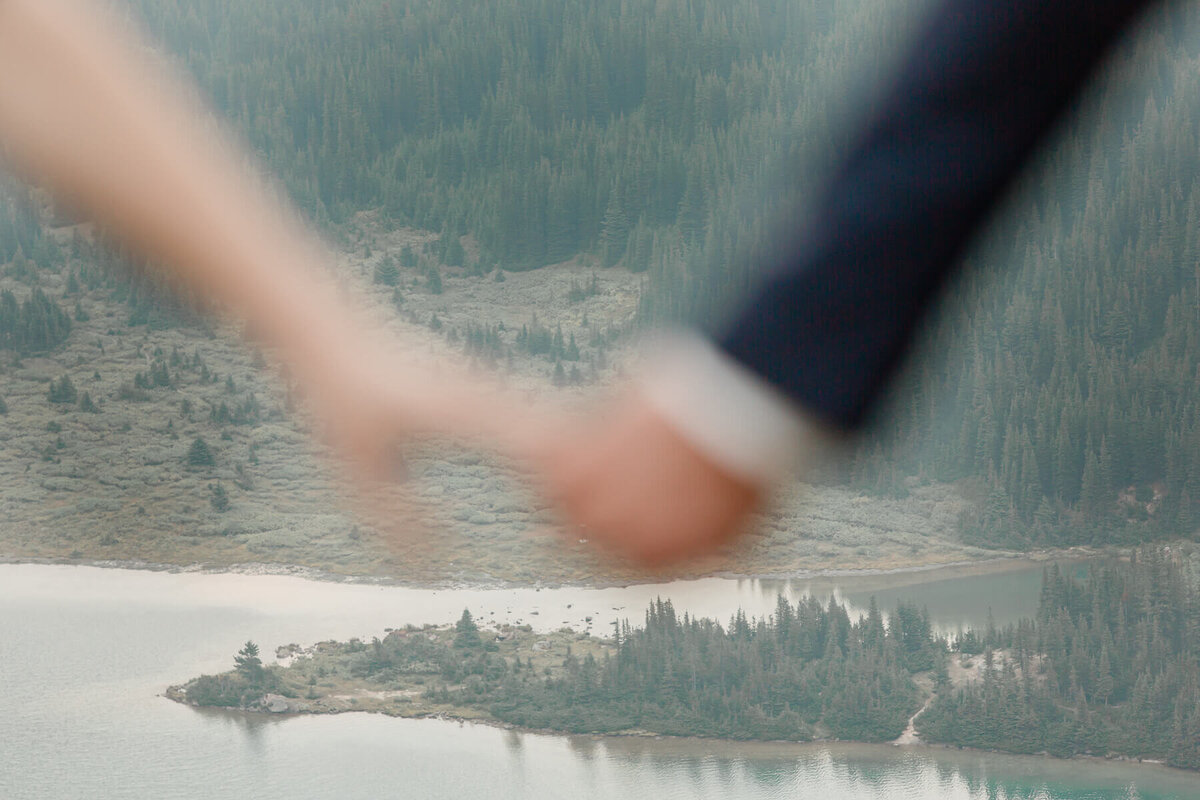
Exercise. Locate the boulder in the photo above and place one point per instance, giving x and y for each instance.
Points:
(276, 704)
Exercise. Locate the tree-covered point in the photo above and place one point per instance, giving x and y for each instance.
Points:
(245, 685)
(1111, 665)
(808, 671)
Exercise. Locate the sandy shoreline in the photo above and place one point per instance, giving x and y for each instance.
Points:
(920, 573)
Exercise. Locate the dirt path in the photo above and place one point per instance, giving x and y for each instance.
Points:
(910, 733)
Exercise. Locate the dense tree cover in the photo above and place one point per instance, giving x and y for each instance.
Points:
(543, 128)
(1110, 665)
(25, 243)
(37, 324)
(806, 670)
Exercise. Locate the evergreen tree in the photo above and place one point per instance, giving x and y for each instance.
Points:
(433, 280)
(614, 231)
(199, 454)
(248, 664)
(453, 254)
(466, 632)
(218, 498)
(62, 391)
(386, 272)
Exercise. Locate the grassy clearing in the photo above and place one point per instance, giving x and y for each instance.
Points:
(117, 485)
(320, 679)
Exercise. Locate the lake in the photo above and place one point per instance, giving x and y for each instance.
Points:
(85, 654)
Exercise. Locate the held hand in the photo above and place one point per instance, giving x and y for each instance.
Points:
(636, 486)
(373, 406)
(369, 398)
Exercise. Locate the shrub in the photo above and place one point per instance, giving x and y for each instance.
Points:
(219, 498)
(62, 391)
(386, 272)
(199, 454)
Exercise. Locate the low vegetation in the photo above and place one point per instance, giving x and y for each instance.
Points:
(1110, 666)
(809, 671)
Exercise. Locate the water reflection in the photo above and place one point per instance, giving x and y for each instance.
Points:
(584, 747)
(872, 772)
(954, 602)
(83, 654)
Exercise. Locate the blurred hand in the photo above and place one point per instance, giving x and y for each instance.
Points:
(626, 481)
(634, 485)
(374, 406)
(369, 398)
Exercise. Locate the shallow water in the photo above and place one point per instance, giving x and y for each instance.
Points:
(85, 652)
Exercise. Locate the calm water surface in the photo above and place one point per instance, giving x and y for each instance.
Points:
(84, 654)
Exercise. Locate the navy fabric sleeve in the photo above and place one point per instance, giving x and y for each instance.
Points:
(981, 87)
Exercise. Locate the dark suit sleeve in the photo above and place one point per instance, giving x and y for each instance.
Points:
(981, 87)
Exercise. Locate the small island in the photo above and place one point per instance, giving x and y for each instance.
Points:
(1110, 667)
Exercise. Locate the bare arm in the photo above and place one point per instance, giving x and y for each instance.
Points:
(111, 131)
(85, 109)
(81, 110)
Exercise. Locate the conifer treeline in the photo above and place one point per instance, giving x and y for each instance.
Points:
(33, 325)
(24, 242)
(806, 666)
(544, 128)
(1065, 379)
(1110, 665)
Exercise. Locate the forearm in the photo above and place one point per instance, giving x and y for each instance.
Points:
(980, 89)
(84, 110)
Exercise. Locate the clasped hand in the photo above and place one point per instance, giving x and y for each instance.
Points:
(622, 478)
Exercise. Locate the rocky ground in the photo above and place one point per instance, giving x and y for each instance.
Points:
(316, 680)
(116, 484)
